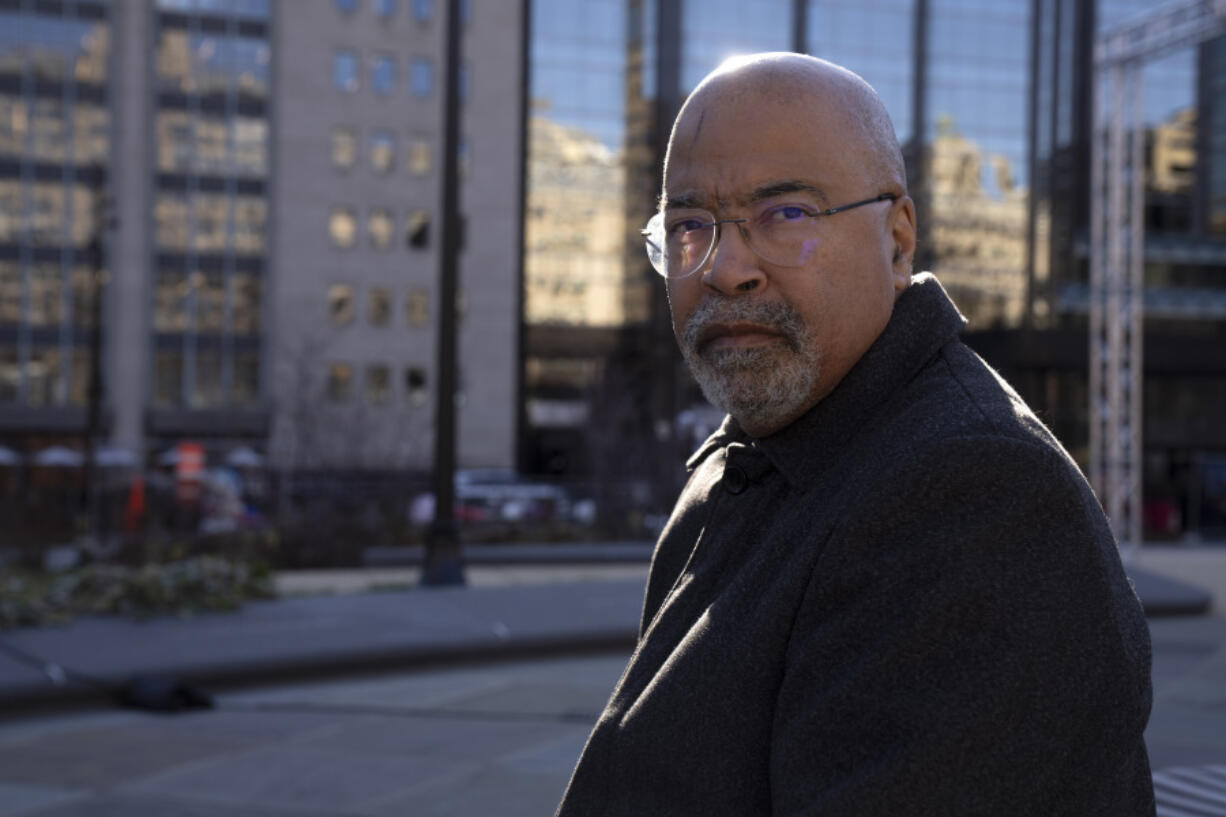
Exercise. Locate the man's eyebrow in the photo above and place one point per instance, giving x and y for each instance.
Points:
(684, 200)
(773, 189)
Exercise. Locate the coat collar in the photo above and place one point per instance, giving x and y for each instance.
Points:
(924, 319)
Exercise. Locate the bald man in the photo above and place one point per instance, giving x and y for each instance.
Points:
(886, 589)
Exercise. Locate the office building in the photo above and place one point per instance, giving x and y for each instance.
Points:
(273, 172)
(991, 101)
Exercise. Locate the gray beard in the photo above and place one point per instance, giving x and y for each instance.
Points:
(760, 386)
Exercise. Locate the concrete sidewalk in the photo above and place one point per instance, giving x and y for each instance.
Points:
(539, 602)
(310, 636)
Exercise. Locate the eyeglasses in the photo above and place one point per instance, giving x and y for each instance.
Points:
(680, 240)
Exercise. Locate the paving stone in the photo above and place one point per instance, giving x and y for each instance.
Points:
(556, 699)
(296, 778)
(487, 791)
(125, 805)
(19, 798)
(467, 739)
(104, 756)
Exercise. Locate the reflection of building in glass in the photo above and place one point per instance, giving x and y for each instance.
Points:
(991, 101)
(574, 232)
(55, 120)
(979, 235)
(1213, 135)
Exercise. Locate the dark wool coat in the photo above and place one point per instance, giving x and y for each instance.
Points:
(908, 602)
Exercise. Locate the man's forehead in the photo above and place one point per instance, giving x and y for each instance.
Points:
(717, 196)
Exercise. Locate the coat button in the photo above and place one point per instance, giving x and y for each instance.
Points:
(735, 480)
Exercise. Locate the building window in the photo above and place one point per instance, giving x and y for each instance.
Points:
(346, 6)
(383, 74)
(343, 227)
(380, 306)
(340, 304)
(419, 308)
(381, 228)
(385, 9)
(345, 70)
(417, 229)
(382, 150)
(378, 384)
(415, 385)
(168, 377)
(340, 380)
(419, 157)
(344, 147)
(422, 77)
(423, 10)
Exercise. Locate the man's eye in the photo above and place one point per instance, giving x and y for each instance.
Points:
(785, 214)
(687, 225)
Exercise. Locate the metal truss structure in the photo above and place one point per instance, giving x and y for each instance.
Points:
(1117, 247)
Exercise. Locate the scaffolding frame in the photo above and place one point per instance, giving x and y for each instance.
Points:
(1117, 248)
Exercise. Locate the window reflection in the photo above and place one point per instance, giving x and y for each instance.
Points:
(340, 378)
(342, 226)
(246, 310)
(82, 297)
(168, 377)
(206, 391)
(418, 308)
(417, 229)
(419, 156)
(10, 294)
(210, 303)
(78, 376)
(344, 147)
(50, 130)
(415, 385)
(59, 49)
(250, 220)
(378, 384)
(13, 125)
(245, 384)
(210, 63)
(46, 292)
(170, 299)
(90, 133)
(10, 374)
(345, 71)
(340, 304)
(173, 134)
(381, 228)
(383, 74)
(382, 150)
(422, 77)
(44, 384)
(380, 306)
(250, 144)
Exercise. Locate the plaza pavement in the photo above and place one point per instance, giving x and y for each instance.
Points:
(452, 701)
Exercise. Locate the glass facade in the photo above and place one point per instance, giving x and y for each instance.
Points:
(974, 189)
(210, 202)
(991, 102)
(54, 153)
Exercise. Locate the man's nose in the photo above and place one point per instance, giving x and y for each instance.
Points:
(734, 266)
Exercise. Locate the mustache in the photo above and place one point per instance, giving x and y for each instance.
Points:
(776, 315)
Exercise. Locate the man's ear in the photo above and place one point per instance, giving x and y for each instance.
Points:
(902, 233)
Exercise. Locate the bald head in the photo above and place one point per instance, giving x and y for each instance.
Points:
(806, 85)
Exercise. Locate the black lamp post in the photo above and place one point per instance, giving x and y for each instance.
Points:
(444, 562)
